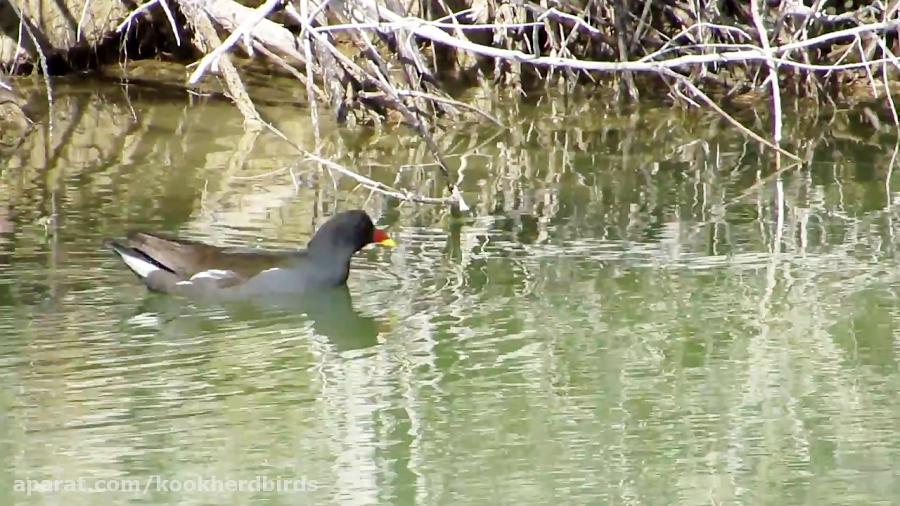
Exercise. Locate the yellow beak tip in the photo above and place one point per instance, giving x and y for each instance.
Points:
(390, 243)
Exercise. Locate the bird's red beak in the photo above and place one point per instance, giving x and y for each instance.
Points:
(380, 237)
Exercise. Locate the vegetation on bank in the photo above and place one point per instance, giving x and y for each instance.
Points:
(383, 60)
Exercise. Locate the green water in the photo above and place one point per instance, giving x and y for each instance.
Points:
(639, 310)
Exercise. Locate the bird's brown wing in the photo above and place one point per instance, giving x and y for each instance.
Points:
(186, 258)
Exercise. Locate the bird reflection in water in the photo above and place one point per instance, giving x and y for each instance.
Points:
(330, 312)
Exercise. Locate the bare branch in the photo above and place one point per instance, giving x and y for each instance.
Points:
(135, 13)
(773, 71)
(246, 28)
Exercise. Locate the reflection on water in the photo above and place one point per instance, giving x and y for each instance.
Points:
(631, 316)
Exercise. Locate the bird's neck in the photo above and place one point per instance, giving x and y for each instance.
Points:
(333, 255)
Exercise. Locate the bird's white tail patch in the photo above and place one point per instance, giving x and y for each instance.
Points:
(140, 266)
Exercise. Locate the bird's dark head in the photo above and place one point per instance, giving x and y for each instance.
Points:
(347, 233)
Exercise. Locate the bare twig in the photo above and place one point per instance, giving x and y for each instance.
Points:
(887, 87)
(862, 57)
(246, 28)
(407, 23)
(773, 71)
(25, 24)
(204, 29)
(135, 13)
(553, 13)
(165, 7)
(310, 86)
(275, 57)
(371, 184)
(456, 103)
(712, 104)
(685, 32)
(84, 11)
(382, 83)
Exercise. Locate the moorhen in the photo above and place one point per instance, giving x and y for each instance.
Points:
(191, 268)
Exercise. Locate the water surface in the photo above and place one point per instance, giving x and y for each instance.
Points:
(641, 309)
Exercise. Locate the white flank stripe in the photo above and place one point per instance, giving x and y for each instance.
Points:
(213, 274)
(141, 267)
